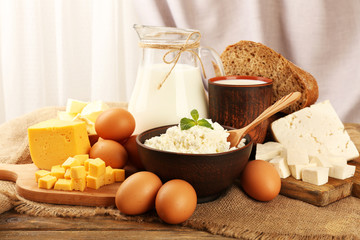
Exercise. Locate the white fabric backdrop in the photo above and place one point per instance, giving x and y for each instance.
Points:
(52, 50)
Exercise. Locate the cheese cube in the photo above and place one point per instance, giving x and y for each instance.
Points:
(78, 184)
(92, 110)
(81, 158)
(316, 129)
(340, 171)
(296, 156)
(95, 182)
(67, 174)
(296, 170)
(41, 173)
(57, 171)
(63, 184)
(119, 175)
(47, 182)
(75, 106)
(281, 166)
(268, 150)
(51, 142)
(77, 172)
(70, 162)
(315, 175)
(96, 167)
(109, 175)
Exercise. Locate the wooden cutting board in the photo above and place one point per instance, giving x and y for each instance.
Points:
(26, 186)
(335, 189)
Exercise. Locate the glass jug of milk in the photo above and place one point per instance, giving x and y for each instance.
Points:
(170, 76)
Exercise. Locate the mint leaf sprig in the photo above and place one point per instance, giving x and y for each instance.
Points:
(187, 123)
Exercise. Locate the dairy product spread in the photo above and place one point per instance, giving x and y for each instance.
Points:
(83, 112)
(197, 139)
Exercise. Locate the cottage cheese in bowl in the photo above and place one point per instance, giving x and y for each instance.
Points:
(197, 139)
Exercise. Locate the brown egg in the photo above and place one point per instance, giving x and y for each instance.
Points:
(136, 195)
(115, 124)
(131, 148)
(111, 152)
(176, 201)
(260, 180)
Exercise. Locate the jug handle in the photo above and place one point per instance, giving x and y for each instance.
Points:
(215, 61)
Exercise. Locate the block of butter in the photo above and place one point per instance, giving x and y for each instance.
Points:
(84, 112)
(51, 142)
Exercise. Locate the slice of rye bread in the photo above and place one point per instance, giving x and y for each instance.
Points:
(255, 59)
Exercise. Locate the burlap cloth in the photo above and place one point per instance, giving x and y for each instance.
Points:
(233, 215)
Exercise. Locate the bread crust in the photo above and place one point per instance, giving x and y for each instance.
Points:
(255, 59)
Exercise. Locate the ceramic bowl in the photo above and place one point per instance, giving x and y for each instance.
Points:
(209, 174)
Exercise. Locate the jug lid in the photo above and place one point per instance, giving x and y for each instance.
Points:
(165, 35)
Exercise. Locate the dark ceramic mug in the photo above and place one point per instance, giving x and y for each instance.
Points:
(237, 100)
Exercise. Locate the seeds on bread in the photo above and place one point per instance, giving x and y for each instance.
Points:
(255, 59)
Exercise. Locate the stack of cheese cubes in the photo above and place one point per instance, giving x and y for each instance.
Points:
(77, 173)
(298, 164)
(312, 145)
(83, 111)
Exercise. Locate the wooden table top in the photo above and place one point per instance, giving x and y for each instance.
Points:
(20, 226)
(14, 225)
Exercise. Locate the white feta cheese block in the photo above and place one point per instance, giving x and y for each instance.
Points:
(342, 171)
(296, 156)
(315, 175)
(296, 170)
(281, 166)
(317, 129)
(268, 150)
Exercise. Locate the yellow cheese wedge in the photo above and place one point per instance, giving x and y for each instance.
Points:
(51, 142)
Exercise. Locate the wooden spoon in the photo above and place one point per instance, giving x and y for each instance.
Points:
(237, 134)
